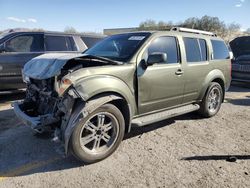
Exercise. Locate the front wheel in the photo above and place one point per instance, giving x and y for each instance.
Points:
(98, 135)
(211, 102)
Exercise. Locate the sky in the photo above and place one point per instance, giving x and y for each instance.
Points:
(95, 15)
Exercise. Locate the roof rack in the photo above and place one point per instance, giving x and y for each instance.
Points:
(182, 29)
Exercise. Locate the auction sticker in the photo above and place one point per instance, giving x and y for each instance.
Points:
(136, 38)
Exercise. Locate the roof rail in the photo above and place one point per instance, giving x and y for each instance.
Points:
(182, 29)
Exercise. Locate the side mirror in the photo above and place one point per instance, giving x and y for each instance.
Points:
(2, 48)
(156, 58)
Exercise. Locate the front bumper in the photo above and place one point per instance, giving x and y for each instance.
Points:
(38, 123)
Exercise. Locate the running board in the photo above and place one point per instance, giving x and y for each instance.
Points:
(148, 119)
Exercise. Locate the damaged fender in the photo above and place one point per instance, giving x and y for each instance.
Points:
(81, 111)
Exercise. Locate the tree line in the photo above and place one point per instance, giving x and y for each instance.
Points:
(206, 23)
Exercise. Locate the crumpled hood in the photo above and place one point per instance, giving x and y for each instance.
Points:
(47, 65)
(240, 46)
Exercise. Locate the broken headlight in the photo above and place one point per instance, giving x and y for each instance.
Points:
(63, 85)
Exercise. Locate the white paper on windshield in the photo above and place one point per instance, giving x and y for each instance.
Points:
(136, 38)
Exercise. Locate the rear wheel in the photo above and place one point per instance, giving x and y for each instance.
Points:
(211, 102)
(98, 135)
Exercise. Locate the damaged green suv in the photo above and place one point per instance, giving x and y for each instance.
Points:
(91, 100)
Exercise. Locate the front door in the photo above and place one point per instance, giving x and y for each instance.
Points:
(161, 85)
(17, 51)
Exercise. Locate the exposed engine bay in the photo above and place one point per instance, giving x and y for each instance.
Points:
(47, 100)
(43, 101)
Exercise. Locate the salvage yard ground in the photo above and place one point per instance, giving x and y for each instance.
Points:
(185, 151)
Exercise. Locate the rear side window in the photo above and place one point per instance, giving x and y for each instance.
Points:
(90, 41)
(57, 43)
(196, 49)
(73, 44)
(166, 45)
(220, 50)
(25, 43)
(203, 48)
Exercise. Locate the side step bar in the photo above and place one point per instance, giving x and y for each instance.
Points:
(151, 118)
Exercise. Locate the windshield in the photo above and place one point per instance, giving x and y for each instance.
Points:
(118, 47)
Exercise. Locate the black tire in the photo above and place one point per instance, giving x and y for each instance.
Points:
(205, 107)
(82, 152)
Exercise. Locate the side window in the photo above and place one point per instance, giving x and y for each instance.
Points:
(203, 48)
(196, 49)
(56, 43)
(166, 45)
(25, 43)
(90, 41)
(220, 50)
(73, 44)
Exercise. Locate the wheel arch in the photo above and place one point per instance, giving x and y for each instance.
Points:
(83, 108)
(214, 76)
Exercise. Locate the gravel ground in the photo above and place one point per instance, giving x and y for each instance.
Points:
(185, 151)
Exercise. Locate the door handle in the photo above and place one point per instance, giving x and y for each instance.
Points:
(179, 72)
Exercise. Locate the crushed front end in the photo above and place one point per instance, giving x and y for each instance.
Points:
(43, 108)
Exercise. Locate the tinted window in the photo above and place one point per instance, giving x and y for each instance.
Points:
(220, 50)
(90, 41)
(196, 49)
(25, 43)
(57, 43)
(73, 44)
(166, 45)
(203, 48)
(192, 50)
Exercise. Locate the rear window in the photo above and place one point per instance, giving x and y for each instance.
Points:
(90, 41)
(203, 48)
(220, 50)
(58, 43)
(196, 49)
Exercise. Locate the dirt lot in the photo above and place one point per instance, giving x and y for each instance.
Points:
(185, 151)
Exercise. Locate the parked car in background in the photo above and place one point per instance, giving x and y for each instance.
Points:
(241, 62)
(17, 48)
(90, 101)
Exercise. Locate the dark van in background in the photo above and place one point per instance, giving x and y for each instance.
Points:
(241, 63)
(17, 48)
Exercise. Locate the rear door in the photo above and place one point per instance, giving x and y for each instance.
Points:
(19, 50)
(196, 67)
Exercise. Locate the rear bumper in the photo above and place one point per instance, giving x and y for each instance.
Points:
(38, 123)
(240, 80)
(240, 76)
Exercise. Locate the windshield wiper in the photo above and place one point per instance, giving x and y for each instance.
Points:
(103, 59)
